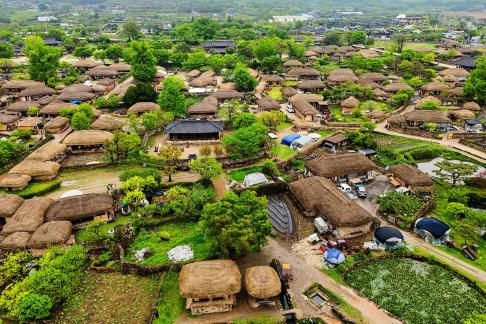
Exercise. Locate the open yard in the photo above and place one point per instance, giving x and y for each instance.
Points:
(416, 291)
(388, 45)
(282, 151)
(239, 175)
(275, 93)
(110, 298)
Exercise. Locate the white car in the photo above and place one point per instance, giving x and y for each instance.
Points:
(345, 188)
(290, 109)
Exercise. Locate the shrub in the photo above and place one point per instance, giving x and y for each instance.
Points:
(34, 306)
(38, 189)
(218, 150)
(141, 92)
(205, 150)
(459, 195)
(20, 134)
(400, 205)
(423, 153)
(164, 235)
(270, 168)
(143, 173)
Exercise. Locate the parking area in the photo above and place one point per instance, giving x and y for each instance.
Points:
(379, 185)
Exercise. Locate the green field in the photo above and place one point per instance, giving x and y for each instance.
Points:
(275, 93)
(282, 151)
(239, 175)
(387, 45)
(170, 304)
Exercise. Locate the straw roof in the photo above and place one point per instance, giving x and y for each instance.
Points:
(340, 165)
(106, 82)
(369, 83)
(450, 78)
(29, 216)
(15, 181)
(373, 76)
(120, 67)
(396, 86)
(209, 279)
(55, 232)
(30, 122)
(311, 84)
(337, 138)
(203, 81)
(46, 100)
(107, 122)
(57, 123)
(293, 63)
(15, 241)
(228, 86)
(142, 107)
(21, 84)
(77, 88)
(202, 108)
(472, 106)
(210, 100)
(368, 53)
(253, 73)
(223, 95)
(80, 207)
(8, 119)
(85, 64)
(305, 108)
(268, 103)
(73, 95)
(304, 72)
(22, 106)
(410, 175)
(310, 53)
(41, 90)
(350, 102)
(9, 204)
(47, 151)
(209, 73)
(102, 72)
(38, 170)
(289, 92)
(458, 91)
(193, 73)
(321, 197)
(434, 86)
(380, 93)
(425, 116)
(307, 97)
(457, 72)
(99, 88)
(88, 137)
(375, 114)
(273, 78)
(262, 282)
(463, 114)
(339, 78)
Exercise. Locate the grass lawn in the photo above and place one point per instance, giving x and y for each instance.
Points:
(184, 233)
(417, 292)
(239, 175)
(282, 151)
(170, 304)
(110, 298)
(290, 83)
(387, 44)
(275, 93)
(284, 126)
(324, 132)
(337, 116)
(35, 188)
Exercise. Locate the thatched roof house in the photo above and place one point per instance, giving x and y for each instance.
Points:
(120, 67)
(268, 103)
(47, 152)
(107, 122)
(87, 139)
(57, 124)
(210, 100)
(29, 123)
(37, 169)
(143, 107)
(350, 102)
(305, 110)
(228, 86)
(46, 100)
(373, 76)
(434, 88)
(293, 64)
(341, 166)
(311, 85)
(409, 176)
(102, 72)
(83, 207)
(8, 121)
(15, 241)
(396, 86)
(305, 73)
(418, 117)
(202, 108)
(13, 86)
(34, 93)
(22, 107)
(307, 97)
(320, 197)
(227, 95)
(77, 88)
(203, 81)
(341, 78)
(201, 282)
(29, 216)
(456, 72)
(472, 106)
(15, 181)
(262, 282)
(379, 93)
(55, 232)
(273, 80)
(289, 92)
(9, 204)
(193, 74)
(369, 83)
(85, 64)
(74, 95)
(463, 114)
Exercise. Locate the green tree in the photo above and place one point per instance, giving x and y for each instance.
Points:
(245, 142)
(245, 119)
(265, 47)
(34, 307)
(33, 111)
(171, 98)
(155, 119)
(111, 102)
(239, 224)
(140, 92)
(83, 52)
(43, 59)
(143, 62)
(123, 147)
(400, 40)
(332, 38)
(131, 30)
(135, 197)
(476, 318)
(455, 171)
(80, 121)
(207, 167)
(170, 155)
(195, 60)
(6, 50)
(357, 37)
(8, 151)
(475, 86)
(272, 118)
(270, 63)
(114, 52)
(243, 80)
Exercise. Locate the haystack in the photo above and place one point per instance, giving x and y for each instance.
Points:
(262, 282)
(9, 204)
(29, 216)
(15, 241)
(55, 232)
(80, 207)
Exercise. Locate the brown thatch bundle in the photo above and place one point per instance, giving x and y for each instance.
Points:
(29, 216)
(80, 207)
(311, 85)
(56, 124)
(47, 151)
(305, 72)
(472, 106)
(262, 282)
(77, 88)
(422, 101)
(55, 107)
(425, 116)
(350, 102)
(21, 84)
(304, 108)
(38, 170)
(457, 72)
(9, 204)
(142, 107)
(15, 181)
(15, 241)
(30, 122)
(410, 175)
(37, 91)
(380, 93)
(319, 196)
(293, 63)
(228, 86)
(434, 86)
(103, 72)
(193, 74)
(463, 114)
(373, 76)
(267, 103)
(73, 95)
(55, 232)
(22, 106)
(107, 122)
(209, 279)
(120, 67)
(85, 64)
(203, 81)
(289, 92)
(46, 100)
(307, 97)
(88, 137)
(340, 165)
(396, 86)
(224, 95)
(273, 78)
(210, 100)
(202, 108)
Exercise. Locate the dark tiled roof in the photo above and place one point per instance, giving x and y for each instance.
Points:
(220, 43)
(188, 126)
(466, 61)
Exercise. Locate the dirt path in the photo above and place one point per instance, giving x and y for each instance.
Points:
(306, 273)
(219, 184)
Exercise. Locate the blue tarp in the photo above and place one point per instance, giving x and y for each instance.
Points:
(287, 140)
(432, 225)
(334, 256)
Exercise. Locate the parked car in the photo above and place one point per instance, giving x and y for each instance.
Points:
(345, 188)
(362, 192)
(290, 109)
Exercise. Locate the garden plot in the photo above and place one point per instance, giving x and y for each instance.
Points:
(416, 291)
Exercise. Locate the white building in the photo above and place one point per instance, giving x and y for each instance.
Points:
(290, 19)
(46, 18)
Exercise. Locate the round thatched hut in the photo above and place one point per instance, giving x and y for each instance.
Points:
(472, 106)
(267, 103)
(263, 286)
(15, 181)
(348, 105)
(289, 92)
(142, 107)
(463, 114)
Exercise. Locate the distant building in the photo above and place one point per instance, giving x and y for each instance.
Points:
(403, 20)
(290, 19)
(46, 18)
(219, 46)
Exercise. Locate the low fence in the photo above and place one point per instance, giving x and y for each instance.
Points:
(473, 144)
(467, 135)
(415, 132)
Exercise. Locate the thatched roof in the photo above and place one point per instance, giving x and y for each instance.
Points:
(310, 53)
(22, 106)
(193, 73)
(46, 100)
(289, 92)
(293, 63)
(228, 86)
(210, 100)
(88, 137)
(340, 165)
(120, 67)
(375, 114)
(6, 119)
(262, 282)
(463, 114)
(457, 72)
(85, 64)
(80, 207)
(336, 138)
(346, 48)
(472, 106)
(41, 90)
(340, 78)
(304, 72)
(373, 76)
(15, 181)
(202, 108)
(273, 78)
(57, 123)
(450, 78)
(425, 116)
(102, 72)
(203, 81)
(422, 101)
(305, 108)
(106, 82)
(47, 151)
(319, 196)
(55, 232)
(21, 84)
(208, 279)
(37, 169)
(15, 241)
(223, 95)
(142, 107)
(458, 91)
(311, 84)
(410, 175)
(396, 86)
(73, 95)
(77, 88)
(99, 88)
(368, 53)
(380, 93)
(369, 83)
(307, 97)
(9, 204)
(434, 86)
(29, 216)
(268, 103)
(107, 122)
(30, 122)
(350, 102)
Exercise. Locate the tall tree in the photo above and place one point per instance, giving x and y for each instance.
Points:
(43, 59)
(169, 155)
(6, 50)
(475, 86)
(171, 98)
(131, 30)
(207, 167)
(143, 62)
(243, 80)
